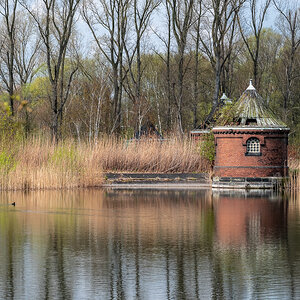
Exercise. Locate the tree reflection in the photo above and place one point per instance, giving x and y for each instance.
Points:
(148, 245)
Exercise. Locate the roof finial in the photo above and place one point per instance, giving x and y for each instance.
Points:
(250, 87)
(224, 97)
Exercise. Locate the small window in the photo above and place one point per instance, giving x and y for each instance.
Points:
(253, 146)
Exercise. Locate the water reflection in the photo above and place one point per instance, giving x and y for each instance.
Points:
(242, 219)
(148, 245)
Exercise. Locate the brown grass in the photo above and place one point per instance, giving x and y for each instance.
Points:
(39, 164)
(294, 176)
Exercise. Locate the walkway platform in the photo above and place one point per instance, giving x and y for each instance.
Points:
(274, 183)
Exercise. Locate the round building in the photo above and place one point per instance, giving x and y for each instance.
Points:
(251, 145)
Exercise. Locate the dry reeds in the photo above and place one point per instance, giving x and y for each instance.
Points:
(294, 176)
(168, 156)
(39, 164)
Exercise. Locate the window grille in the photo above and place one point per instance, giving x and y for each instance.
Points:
(253, 145)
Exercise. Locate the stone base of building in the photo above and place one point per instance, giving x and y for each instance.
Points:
(275, 183)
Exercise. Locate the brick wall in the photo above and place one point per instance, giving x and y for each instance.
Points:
(231, 159)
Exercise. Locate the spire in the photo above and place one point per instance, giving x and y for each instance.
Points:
(224, 97)
(250, 87)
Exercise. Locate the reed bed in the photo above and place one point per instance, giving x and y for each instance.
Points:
(38, 164)
(294, 176)
(155, 156)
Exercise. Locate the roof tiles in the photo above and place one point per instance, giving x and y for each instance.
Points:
(250, 110)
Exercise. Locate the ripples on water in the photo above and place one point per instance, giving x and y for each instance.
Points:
(149, 245)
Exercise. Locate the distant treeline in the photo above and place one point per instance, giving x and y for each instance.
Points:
(83, 68)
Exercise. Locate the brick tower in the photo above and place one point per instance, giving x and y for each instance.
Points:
(251, 145)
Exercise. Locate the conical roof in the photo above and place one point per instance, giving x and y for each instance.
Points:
(250, 111)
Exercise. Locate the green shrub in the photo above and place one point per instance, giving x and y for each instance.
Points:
(7, 162)
(66, 157)
(207, 147)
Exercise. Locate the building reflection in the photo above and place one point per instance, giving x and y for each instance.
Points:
(245, 217)
(143, 245)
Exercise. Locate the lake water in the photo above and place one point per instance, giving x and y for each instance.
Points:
(148, 244)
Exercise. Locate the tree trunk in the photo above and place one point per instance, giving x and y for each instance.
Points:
(195, 115)
(11, 74)
(55, 114)
(216, 91)
(196, 71)
(116, 97)
(180, 93)
(168, 71)
(119, 104)
(255, 71)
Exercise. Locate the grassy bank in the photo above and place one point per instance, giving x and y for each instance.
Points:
(38, 164)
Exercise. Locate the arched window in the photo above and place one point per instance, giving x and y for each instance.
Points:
(253, 146)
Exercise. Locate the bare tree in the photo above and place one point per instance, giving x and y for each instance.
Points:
(89, 95)
(55, 22)
(198, 11)
(27, 48)
(227, 73)
(217, 43)
(182, 20)
(27, 58)
(8, 10)
(142, 11)
(290, 27)
(168, 66)
(255, 26)
(112, 17)
(166, 58)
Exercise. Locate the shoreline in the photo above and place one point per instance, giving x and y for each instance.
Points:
(157, 181)
(160, 186)
(192, 181)
(155, 177)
